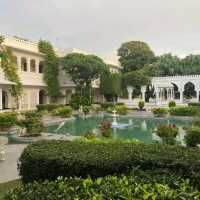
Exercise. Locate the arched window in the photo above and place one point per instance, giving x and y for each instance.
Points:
(24, 64)
(32, 65)
(41, 67)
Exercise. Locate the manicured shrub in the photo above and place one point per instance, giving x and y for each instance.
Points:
(184, 111)
(110, 109)
(192, 138)
(65, 111)
(75, 101)
(106, 130)
(107, 188)
(160, 112)
(172, 104)
(86, 109)
(32, 122)
(122, 109)
(141, 105)
(32, 114)
(167, 133)
(7, 120)
(50, 159)
(107, 105)
(194, 104)
(48, 107)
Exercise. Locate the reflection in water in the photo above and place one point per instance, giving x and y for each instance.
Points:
(141, 129)
(144, 126)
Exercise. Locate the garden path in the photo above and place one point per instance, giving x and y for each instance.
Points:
(8, 168)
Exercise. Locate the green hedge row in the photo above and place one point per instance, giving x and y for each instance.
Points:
(184, 111)
(50, 159)
(48, 107)
(107, 188)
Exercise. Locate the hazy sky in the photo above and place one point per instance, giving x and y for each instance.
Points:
(100, 26)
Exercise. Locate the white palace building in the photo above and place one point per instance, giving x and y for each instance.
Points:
(30, 69)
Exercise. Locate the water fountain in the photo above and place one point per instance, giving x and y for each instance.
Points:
(115, 124)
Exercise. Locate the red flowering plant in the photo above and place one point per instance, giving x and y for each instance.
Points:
(105, 128)
(167, 133)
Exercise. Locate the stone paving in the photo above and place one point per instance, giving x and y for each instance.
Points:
(8, 168)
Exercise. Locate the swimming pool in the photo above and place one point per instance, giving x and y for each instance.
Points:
(142, 129)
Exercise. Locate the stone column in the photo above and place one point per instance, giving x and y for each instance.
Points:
(1, 107)
(181, 95)
(143, 90)
(28, 65)
(197, 92)
(130, 92)
(157, 93)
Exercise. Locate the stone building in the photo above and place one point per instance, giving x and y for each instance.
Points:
(30, 69)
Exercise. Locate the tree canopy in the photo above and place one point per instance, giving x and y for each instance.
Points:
(1, 39)
(83, 69)
(51, 69)
(134, 55)
(110, 85)
(191, 64)
(135, 79)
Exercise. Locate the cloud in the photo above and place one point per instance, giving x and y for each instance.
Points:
(101, 26)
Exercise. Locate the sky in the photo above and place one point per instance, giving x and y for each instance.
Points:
(101, 26)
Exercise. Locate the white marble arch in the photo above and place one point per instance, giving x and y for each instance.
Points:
(164, 87)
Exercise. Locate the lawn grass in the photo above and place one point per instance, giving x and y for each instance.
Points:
(5, 187)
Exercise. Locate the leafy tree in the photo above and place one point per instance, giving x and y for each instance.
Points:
(1, 39)
(135, 79)
(110, 85)
(191, 64)
(9, 67)
(134, 55)
(83, 69)
(51, 69)
(165, 65)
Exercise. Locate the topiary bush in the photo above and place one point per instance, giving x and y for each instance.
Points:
(107, 188)
(65, 111)
(107, 105)
(160, 112)
(121, 109)
(75, 101)
(172, 104)
(192, 138)
(48, 107)
(184, 111)
(31, 122)
(7, 120)
(167, 133)
(141, 105)
(50, 159)
(194, 104)
(86, 109)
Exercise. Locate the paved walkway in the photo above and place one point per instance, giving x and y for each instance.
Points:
(8, 168)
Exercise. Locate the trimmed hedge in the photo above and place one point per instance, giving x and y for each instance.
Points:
(48, 107)
(65, 111)
(107, 188)
(184, 111)
(160, 112)
(7, 120)
(50, 159)
(194, 104)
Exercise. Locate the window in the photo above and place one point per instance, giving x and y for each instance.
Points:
(41, 67)
(32, 65)
(24, 64)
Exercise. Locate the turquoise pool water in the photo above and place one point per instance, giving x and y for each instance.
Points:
(139, 128)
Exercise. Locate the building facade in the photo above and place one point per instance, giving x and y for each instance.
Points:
(30, 63)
